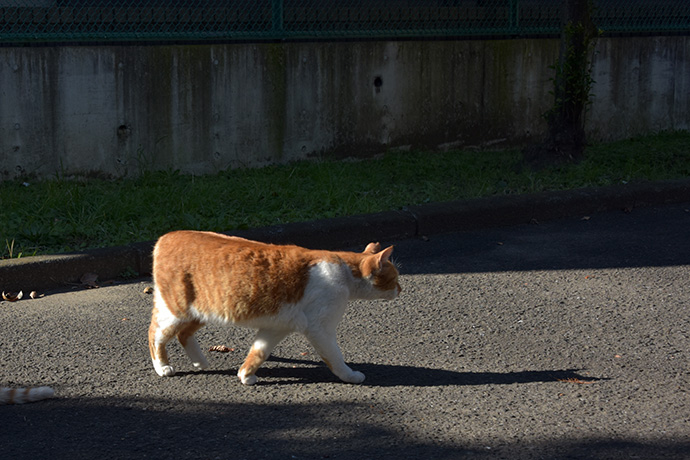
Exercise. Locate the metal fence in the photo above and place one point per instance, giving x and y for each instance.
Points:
(142, 20)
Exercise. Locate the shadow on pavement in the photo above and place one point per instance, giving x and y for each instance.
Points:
(387, 375)
(128, 428)
(643, 238)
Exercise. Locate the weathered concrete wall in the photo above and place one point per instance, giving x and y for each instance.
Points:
(642, 84)
(203, 108)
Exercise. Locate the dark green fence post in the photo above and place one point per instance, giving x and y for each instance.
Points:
(277, 17)
(513, 6)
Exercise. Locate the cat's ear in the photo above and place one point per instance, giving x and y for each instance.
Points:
(372, 248)
(384, 256)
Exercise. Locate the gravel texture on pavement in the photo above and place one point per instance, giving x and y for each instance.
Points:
(561, 339)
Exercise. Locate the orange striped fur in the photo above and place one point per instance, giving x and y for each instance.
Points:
(204, 276)
(24, 395)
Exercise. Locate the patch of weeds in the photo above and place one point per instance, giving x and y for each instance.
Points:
(129, 273)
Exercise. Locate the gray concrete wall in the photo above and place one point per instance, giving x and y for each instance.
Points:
(119, 110)
(642, 84)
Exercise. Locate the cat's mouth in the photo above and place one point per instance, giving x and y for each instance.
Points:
(394, 293)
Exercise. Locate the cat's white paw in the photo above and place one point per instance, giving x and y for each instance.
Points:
(248, 379)
(354, 377)
(201, 365)
(163, 370)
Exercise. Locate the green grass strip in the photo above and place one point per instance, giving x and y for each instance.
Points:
(60, 215)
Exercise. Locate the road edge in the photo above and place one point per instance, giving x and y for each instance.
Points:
(56, 271)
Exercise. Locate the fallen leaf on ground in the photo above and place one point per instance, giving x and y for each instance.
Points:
(12, 296)
(576, 380)
(35, 295)
(148, 290)
(221, 349)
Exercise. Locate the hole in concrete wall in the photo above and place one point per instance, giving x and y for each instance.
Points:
(378, 82)
(123, 131)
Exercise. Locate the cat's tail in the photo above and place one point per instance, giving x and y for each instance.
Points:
(24, 395)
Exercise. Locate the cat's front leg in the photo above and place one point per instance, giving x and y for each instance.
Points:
(265, 341)
(326, 346)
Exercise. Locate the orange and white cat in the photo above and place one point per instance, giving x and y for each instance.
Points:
(203, 276)
(24, 395)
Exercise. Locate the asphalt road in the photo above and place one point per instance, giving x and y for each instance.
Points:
(566, 339)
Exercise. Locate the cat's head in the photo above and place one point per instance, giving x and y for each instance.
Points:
(380, 271)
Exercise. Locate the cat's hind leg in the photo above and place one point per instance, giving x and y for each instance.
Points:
(265, 341)
(164, 326)
(326, 345)
(191, 346)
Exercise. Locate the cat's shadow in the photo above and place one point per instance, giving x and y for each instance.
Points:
(387, 375)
